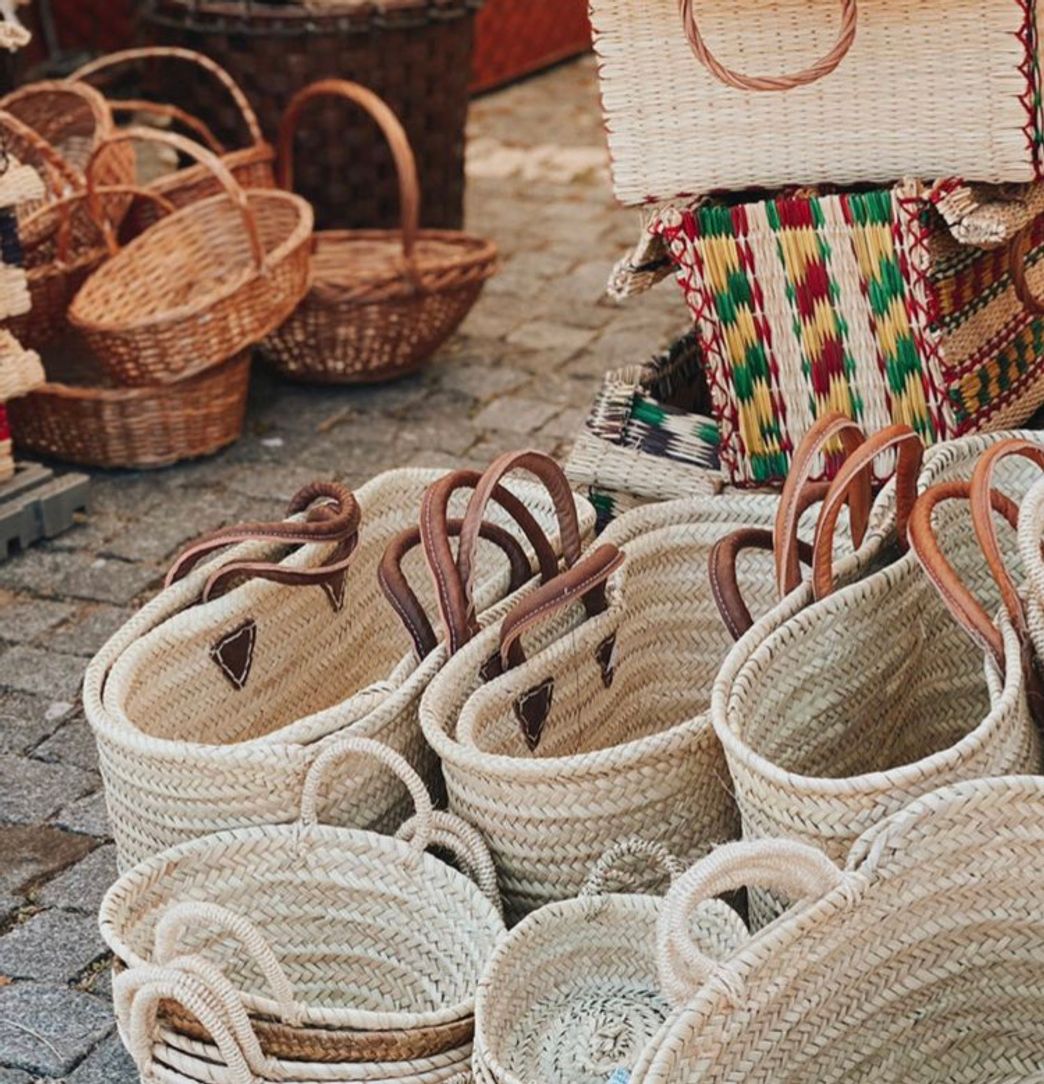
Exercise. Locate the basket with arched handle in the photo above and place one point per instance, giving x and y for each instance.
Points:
(382, 301)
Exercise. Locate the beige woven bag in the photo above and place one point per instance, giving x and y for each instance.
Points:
(208, 713)
(842, 705)
(920, 961)
(703, 95)
(325, 953)
(572, 993)
(1031, 534)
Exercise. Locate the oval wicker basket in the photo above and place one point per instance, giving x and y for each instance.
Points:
(80, 418)
(198, 287)
(251, 165)
(382, 301)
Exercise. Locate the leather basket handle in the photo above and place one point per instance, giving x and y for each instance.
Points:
(771, 83)
(1018, 253)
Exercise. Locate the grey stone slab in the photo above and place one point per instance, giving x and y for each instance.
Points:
(23, 619)
(46, 1030)
(45, 673)
(515, 414)
(27, 719)
(73, 743)
(547, 335)
(107, 1063)
(105, 579)
(31, 791)
(30, 854)
(82, 886)
(86, 632)
(87, 815)
(51, 946)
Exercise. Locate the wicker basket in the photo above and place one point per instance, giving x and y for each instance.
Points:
(382, 301)
(909, 305)
(920, 961)
(228, 700)
(20, 369)
(80, 418)
(1031, 531)
(395, 989)
(415, 54)
(842, 705)
(251, 165)
(200, 286)
(858, 93)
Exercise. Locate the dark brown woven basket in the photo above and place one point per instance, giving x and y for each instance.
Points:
(416, 54)
(80, 418)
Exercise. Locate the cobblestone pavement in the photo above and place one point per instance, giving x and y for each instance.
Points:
(521, 373)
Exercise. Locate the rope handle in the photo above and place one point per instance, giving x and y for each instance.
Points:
(771, 83)
(180, 917)
(190, 56)
(453, 592)
(856, 471)
(344, 747)
(199, 128)
(57, 168)
(797, 870)
(403, 598)
(206, 158)
(647, 851)
(466, 845)
(826, 430)
(333, 516)
(391, 127)
(965, 607)
(1018, 253)
(585, 582)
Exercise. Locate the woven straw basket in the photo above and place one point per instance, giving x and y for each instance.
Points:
(251, 165)
(383, 301)
(572, 993)
(356, 952)
(207, 714)
(843, 704)
(907, 305)
(792, 91)
(920, 961)
(1031, 532)
(602, 733)
(199, 286)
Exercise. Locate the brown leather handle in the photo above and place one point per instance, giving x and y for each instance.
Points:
(394, 133)
(792, 504)
(985, 527)
(908, 444)
(739, 81)
(333, 516)
(1018, 253)
(724, 580)
(964, 606)
(584, 582)
(198, 128)
(166, 52)
(404, 599)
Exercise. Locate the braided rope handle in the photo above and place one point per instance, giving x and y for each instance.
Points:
(647, 851)
(333, 754)
(770, 83)
(1018, 253)
(797, 870)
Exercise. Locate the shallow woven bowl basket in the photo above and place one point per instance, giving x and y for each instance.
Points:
(382, 301)
(80, 417)
(203, 284)
(251, 165)
(339, 945)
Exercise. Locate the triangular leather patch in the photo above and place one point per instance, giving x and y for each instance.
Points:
(491, 668)
(605, 656)
(532, 709)
(234, 653)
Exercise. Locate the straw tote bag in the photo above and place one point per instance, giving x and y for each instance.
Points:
(910, 304)
(920, 961)
(703, 95)
(843, 704)
(334, 953)
(1031, 534)
(572, 993)
(208, 704)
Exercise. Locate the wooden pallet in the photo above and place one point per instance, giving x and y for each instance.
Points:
(37, 504)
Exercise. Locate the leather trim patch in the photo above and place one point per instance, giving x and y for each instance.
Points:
(532, 709)
(234, 653)
(334, 588)
(605, 656)
(491, 668)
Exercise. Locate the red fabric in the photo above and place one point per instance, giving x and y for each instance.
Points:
(5, 429)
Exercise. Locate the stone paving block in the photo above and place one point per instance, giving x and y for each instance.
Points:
(27, 719)
(14, 1076)
(37, 670)
(87, 815)
(33, 791)
(515, 415)
(546, 335)
(72, 744)
(52, 946)
(89, 628)
(485, 381)
(23, 620)
(104, 579)
(30, 854)
(47, 1030)
(107, 1063)
(82, 886)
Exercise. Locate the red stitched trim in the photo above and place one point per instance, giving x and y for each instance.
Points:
(1027, 36)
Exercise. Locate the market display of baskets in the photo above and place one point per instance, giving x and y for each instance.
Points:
(381, 301)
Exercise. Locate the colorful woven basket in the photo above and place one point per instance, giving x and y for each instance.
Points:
(909, 305)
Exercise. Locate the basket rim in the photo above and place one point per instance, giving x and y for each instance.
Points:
(112, 268)
(252, 154)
